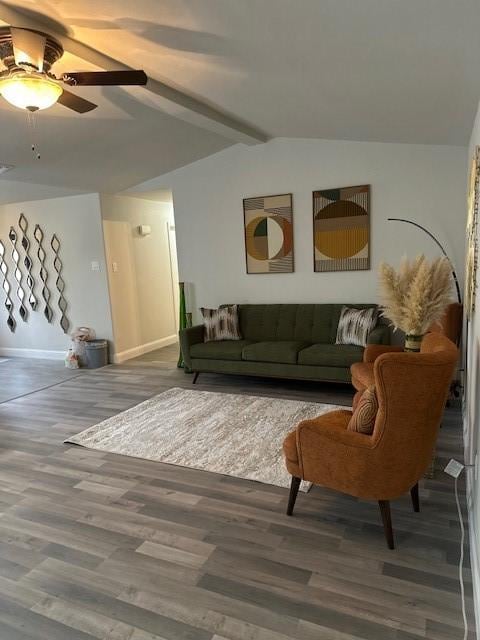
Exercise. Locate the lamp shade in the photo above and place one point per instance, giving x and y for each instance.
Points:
(30, 91)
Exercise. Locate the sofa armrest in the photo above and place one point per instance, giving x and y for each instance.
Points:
(189, 337)
(372, 351)
(379, 335)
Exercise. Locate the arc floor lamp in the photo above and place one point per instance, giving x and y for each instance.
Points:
(440, 246)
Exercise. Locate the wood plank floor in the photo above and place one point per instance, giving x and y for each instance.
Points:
(27, 376)
(97, 545)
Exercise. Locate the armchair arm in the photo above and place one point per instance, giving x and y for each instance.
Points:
(372, 351)
(331, 426)
(329, 454)
(189, 337)
(379, 335)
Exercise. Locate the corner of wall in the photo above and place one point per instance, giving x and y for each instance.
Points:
(471, 425)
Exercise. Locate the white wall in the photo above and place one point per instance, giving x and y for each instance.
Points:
(143, 288)
(77, 222)
(423, 183)
(472, 416)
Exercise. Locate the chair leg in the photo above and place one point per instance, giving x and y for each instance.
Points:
(387, 522)
(195, 376)
(415, 498)
(294, 487)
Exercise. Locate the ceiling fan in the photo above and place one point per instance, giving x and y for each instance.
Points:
(28, 83)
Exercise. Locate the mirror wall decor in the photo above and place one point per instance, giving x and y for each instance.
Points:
(41, 255)
(6, 287)
(19, 274)
(60, 284)
(27, 261)
(12, 234)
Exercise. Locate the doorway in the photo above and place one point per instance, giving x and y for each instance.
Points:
(141, 257)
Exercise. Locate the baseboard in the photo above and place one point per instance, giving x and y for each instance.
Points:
(32, 353)
(122, 356)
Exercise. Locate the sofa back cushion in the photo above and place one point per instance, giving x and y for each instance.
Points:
(308, 322)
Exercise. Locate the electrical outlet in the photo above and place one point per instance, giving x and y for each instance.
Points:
(454, 468)
(95, 265)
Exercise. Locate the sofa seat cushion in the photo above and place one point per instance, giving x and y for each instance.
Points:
(362, 375)
(283, 351)
(219, 349)
(330, 355)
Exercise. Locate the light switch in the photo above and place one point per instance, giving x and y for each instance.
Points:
(95, 265)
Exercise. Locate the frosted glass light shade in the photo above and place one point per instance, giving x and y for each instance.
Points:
(30, 91)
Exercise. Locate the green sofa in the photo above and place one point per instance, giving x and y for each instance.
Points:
(280, 340)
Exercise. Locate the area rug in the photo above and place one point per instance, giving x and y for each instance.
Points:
(236, 435)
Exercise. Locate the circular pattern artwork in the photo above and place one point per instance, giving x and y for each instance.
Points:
(270, 237)
(343, 242)
(269, 234)
(341, 228)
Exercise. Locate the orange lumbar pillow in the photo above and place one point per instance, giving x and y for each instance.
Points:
(363, 418)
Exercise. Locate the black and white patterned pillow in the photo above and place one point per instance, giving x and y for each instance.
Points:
(355, 325)
(221, 324)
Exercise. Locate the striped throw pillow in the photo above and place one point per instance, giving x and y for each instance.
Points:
(355, 325)
(363, 418)
(221, 324)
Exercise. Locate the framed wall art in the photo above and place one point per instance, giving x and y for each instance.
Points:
(268, 227)
(341, 229)
(471, 368)
(471, 254)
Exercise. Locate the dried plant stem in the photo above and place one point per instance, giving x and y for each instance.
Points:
(415, 296)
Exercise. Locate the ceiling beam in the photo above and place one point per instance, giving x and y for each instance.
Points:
(173, 101)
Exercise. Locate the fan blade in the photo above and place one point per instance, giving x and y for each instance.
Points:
(28, 47)
(105, 78)
(75, 103)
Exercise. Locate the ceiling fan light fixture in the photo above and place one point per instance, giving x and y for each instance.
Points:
(30, 91)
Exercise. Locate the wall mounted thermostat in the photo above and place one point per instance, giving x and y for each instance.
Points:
(144, 229)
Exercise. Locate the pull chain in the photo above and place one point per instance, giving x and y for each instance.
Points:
(32, 128)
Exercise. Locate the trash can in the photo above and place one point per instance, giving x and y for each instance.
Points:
(96, 353)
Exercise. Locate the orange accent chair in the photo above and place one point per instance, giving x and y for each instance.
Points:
(412, 390)
(362, 372)
(451, 323)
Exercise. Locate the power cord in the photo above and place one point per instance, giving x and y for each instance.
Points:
(454, 469)
(460, 564)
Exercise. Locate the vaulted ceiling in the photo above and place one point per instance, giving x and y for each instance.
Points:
(245, 70)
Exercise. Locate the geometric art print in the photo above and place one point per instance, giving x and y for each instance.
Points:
(269, 234)
(341, 229)
(471, 261)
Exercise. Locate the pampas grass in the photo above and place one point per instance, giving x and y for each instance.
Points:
(415, 296)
